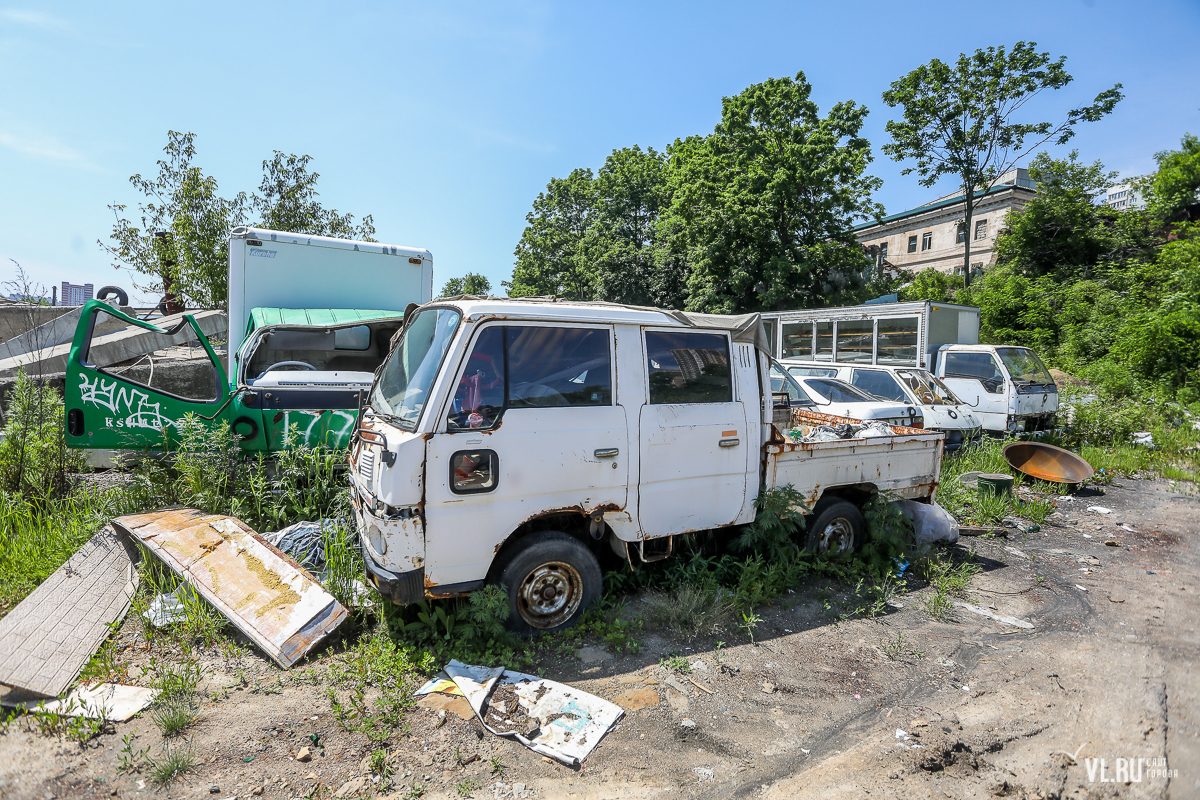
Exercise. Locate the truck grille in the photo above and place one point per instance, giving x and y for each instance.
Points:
(366, 465)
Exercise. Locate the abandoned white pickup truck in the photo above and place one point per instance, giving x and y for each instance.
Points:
(507, 441)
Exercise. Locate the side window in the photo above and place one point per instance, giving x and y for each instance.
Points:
(551, 367)
(688, 368)
(479, 399)
(531, 367)
(880, 384)
(170, 363)
(972, 365)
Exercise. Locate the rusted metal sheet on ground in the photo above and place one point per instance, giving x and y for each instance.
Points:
(263, 592)
(51, 634)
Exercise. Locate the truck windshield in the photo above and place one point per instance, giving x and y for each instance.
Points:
(404, 383)
(928, 389)
(1024, 366)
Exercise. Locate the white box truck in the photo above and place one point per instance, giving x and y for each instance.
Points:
(507, 441)
(1007, 387)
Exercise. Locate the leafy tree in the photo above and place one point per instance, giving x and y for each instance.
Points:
(929, 284)
(1062, 231)
(630, 196)
(288, 202)
(762, 208)
(181, 241)
(550, 255)
(471, 283)
(1176, 185)
(960, 120)
(187, 257)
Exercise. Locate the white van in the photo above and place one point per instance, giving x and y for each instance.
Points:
(941, 408)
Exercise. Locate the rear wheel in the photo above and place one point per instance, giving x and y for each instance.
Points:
(835, 530)
(551, 579)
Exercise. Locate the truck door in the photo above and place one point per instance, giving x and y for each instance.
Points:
(129, 382)
(976, 377)
(532, 429)
(692, 435)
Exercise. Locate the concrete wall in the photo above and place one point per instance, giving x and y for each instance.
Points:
(18, 318)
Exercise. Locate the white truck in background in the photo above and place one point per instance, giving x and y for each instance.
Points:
(511, 441)
(1007, 387)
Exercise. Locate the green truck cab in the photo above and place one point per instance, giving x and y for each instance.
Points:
(295, 363)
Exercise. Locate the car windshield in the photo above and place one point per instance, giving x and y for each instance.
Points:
(782, 382)
(407, 376)
(836, 391)
(1023, 365)
(928, 389)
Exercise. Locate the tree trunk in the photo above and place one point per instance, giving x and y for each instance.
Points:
(969, 196)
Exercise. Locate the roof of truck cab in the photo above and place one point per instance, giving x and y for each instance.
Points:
(317, 317)
(745, 328)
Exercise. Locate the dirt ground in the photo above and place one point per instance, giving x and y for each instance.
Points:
(1100, 698)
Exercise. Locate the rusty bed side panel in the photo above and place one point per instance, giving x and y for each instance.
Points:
(264, 593)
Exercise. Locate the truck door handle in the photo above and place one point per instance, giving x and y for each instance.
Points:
(730, 442)
(606, 452)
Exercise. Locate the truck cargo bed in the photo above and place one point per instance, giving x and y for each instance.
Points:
(906, 465)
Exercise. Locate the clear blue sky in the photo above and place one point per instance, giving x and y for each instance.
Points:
(445, 120)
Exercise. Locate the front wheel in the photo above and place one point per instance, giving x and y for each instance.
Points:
(551, 579)
(836, 529)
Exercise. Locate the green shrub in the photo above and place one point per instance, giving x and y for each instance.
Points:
(34, 458)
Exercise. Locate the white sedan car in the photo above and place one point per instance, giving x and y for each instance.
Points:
(832, 396)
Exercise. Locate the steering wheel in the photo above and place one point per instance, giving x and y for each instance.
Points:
(303, 364)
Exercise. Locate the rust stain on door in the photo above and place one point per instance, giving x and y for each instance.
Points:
(263, 592)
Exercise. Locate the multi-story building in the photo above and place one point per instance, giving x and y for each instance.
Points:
(75, 294)
(932, 235)
(1124, 196)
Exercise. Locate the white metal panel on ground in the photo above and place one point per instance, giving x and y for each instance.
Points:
(567, 722)
(51, 634)
(114, 702)
(267, 595)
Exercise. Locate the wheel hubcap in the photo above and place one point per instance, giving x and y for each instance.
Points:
(550, 595)
(837, 538)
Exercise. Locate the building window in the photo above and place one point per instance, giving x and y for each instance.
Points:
(980, 229)
(883, 251)
(962, 233)
(926, 241)
(912, 244)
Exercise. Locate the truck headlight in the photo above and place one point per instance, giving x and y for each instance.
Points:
(377, 540)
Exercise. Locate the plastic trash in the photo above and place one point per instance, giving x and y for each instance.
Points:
(825, 433)
(874, 430)
(170, 607)
(305, 542)
(1099, 510)
(931, 522)
(1144, 438)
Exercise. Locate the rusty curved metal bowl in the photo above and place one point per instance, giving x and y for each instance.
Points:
(1047, 462)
